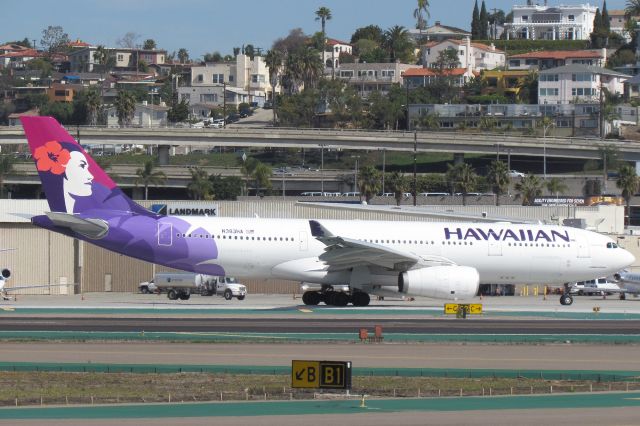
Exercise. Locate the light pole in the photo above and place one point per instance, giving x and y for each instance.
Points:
(355, 179)
(322, 168)
(384, 154)
(415, 168)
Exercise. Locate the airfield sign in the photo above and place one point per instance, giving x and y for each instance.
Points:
(321, 374)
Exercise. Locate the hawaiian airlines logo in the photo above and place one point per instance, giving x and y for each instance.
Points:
(51, 157)
(481, 234)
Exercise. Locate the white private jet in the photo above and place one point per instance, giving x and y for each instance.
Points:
(629, 282)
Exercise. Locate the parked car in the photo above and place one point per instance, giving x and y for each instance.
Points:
(217, 124)
(515, 173)
(232, 118)
(268, 105)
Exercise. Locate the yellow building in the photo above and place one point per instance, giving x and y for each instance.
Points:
(504, 83)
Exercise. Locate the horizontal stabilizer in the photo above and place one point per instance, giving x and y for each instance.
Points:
(90, 228)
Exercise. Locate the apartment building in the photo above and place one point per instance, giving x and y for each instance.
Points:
(84, 60)
(334, 48)
(578, 83)
(420, 77)
(438, 32)
(368, 78)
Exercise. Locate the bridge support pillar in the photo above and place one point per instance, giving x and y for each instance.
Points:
(458, 158)
(163, 154)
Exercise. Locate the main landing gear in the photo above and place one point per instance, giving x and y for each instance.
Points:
(566, 299)
(335, 298)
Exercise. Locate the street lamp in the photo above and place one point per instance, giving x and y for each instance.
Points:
(322, 168)
(355, 179)
(384, 152)
(415, 168)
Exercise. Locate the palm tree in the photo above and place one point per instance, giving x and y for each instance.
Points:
(323, 14)
(529, 188)
(309, 66)
(183, 55)
(146, 176)
(93, 102)
(398, 184)
(247, 168)
(396, 40)
(498, 178)
(628, 182)
(262, 176)
(368, 182)
(528, 88)
(463, 178)
(200, 187)
(125, 104)
(632, 8)
(273, 60)
(556, 186)
(420, 12)
(6, 168)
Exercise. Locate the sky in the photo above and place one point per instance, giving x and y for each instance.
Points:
(203, 26)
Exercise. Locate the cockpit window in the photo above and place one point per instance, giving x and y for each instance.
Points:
(612, 245)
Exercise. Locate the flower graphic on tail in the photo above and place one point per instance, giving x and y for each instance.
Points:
(51, 157)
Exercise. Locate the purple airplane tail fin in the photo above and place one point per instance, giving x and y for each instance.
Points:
(72, 181)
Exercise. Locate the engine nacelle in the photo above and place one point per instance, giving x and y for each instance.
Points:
(6, 273)
(440, 282)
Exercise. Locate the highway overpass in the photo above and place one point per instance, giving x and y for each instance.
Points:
(423, 141)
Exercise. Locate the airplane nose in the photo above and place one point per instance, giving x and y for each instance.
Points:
(627, 259)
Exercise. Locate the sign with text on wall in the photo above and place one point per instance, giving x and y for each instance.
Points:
(185, 209)
(321, 374)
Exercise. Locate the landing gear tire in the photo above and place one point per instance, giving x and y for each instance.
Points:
(311, 298)
(329, 298)
(340, 299)
(144, 290)
(172, 294)
(360, 299)
(566, 299)
(228, 294)
(623, 296)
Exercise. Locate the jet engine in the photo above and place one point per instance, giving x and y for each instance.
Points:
(5, 273)
(440, 282)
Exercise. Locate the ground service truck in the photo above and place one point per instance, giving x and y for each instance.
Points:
(182, 285)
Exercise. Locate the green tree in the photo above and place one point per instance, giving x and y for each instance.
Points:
(368, 182)
(556, 186)
(6, 168)
(632, 8)
(529, 188)
(483, 21)
(370, 32)
(475, 22)
(498, 179)
(183, 55)
(323, 14)
(273, 61)
(148, 176)
(397, 183)
(606, 23)
(213, 57)
(609, 159)
(200, 187)
(398, 44)
(93, 104)
(528, 88)
(462, 178)
(179, 111)
(628, 182)
(54, 39)
(149, 44)
(247, 168)
(125, 104)
(226, 187)
(421, 14)
(262, 177)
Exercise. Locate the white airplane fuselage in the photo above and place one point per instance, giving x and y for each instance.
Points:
(501, 253)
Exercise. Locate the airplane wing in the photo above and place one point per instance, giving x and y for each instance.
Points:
(345, 253)
(23, 287)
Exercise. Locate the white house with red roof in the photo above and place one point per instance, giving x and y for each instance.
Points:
(17, 59)
(545, 59)
(471, 55)
(331, 55)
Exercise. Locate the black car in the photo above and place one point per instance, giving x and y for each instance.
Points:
(232, 118)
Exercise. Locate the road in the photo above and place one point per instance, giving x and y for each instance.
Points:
(321, 325)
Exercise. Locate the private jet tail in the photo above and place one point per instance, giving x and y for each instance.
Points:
(72, 181)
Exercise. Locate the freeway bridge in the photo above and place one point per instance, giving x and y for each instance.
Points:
(422, 141)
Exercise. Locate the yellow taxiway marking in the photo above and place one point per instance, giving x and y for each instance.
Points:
(305, 310)
(8, 308)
